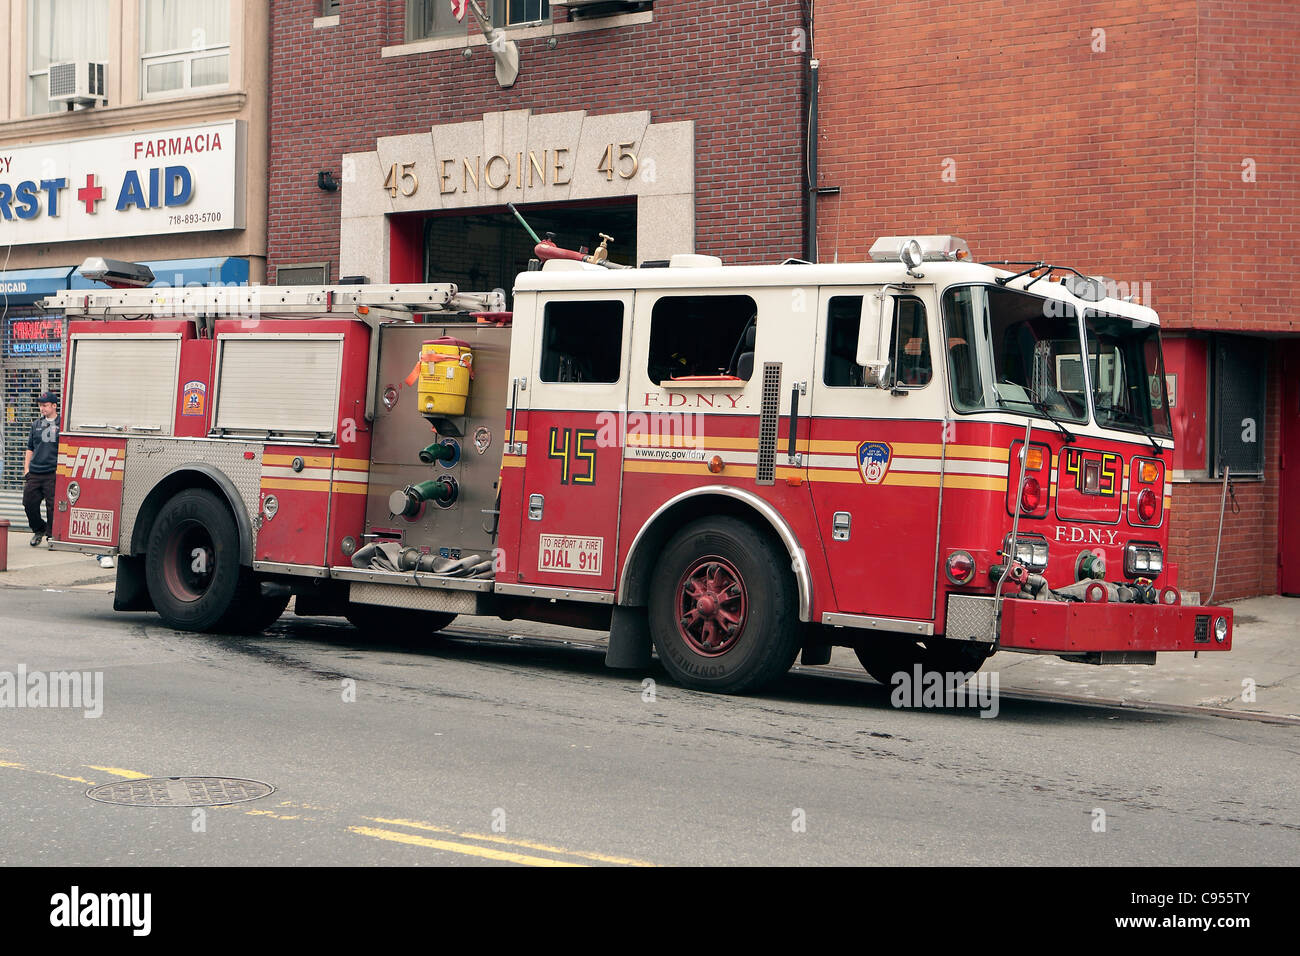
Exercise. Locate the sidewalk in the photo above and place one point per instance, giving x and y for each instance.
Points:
(1266, 651)
(42, 568)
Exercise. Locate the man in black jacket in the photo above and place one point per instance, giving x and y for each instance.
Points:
(39, 464)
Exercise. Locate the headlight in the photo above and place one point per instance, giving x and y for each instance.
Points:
(1220, 629)
(74, 492)
(1031, 551)
(1143, 559)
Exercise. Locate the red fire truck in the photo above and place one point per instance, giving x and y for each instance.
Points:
(919, 457)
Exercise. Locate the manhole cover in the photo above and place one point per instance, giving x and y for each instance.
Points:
(180, 791)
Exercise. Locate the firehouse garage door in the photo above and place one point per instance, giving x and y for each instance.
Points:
(278, 385)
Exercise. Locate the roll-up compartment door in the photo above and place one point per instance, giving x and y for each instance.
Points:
(278, 384)
(123, 383)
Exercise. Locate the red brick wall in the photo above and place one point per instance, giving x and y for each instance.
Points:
(1125, 161)
(1053, 151)
(727, 65)
(1248, 108)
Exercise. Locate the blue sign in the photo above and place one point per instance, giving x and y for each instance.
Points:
(31, 285)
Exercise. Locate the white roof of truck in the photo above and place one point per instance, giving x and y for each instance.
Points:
(566, 276)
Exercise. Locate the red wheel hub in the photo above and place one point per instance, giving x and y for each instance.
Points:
(712, 605)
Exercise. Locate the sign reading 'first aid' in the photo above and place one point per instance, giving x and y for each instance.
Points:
(146, 183)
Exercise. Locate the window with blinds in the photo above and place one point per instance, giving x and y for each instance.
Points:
(123, 384)
(270, 385)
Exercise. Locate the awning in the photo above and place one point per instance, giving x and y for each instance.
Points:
(28, 286)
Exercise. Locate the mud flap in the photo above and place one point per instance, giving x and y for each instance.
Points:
(131, 593)
(629, 639)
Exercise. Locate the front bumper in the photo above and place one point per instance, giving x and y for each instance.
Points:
(1072, 627)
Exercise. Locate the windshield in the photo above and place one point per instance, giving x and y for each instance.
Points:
(1127, 374)
(1034, 358)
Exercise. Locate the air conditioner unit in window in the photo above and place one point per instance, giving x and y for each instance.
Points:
(77, 81)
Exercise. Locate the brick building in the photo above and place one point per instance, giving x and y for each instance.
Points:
(1156, 142)
(672, 127)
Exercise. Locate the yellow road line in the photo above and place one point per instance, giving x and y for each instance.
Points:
(479, 851)
(119, 772)
(48, 773)
(527, 844)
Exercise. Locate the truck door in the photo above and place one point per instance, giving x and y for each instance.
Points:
(874, 455)
(573, 468)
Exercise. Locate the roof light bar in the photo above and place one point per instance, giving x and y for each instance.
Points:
(933, 248)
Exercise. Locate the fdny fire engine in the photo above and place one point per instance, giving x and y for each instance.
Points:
(920, 457)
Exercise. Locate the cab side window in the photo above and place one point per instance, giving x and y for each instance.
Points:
(909, 344)
(702, 335)
(842, 316)
(582, 342)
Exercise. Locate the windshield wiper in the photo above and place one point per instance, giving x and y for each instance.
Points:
(1029, 400)
(1121, 416)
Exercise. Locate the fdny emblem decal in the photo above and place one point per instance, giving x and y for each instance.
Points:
(873, 461)
(193, 401)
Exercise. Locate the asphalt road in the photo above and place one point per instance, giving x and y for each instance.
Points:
(471, 751)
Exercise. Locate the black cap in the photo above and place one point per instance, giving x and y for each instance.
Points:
(47, 397)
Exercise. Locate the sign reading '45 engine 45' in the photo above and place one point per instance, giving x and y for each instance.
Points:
(145, 183)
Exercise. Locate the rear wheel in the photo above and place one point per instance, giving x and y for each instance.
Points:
(722, 607)
(887, 655)
(377, 622)
(192, 565)
(255, 614)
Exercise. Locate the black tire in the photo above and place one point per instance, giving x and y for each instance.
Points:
(192, 564)
(376, 622)
(886, 655)
(723, 611)
(256, 614)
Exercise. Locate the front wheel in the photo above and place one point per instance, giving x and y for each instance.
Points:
(887, 655)
(722, 609)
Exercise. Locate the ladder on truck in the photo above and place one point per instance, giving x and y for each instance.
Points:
(373, 304)
(212, 302)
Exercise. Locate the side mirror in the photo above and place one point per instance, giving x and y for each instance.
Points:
(870, 326)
